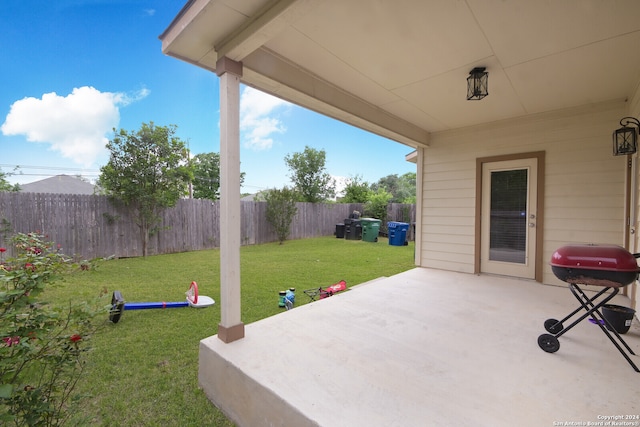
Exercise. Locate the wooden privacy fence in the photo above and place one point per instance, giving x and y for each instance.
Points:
(90, 226)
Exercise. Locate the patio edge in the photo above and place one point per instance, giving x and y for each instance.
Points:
(242, 399)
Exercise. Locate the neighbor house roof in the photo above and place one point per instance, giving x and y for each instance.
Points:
(59, 184)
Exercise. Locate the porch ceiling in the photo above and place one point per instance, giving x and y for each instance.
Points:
(398, 68)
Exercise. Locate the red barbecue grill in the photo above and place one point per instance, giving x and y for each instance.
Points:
(608, 266)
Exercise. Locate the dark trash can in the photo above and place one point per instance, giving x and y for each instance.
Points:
(618, 316)
(398, 233)
(340, 231)
(352, 229)
(370, 229)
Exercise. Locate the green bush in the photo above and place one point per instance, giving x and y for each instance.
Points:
(42, 348)
(281, 208)
(376, 207)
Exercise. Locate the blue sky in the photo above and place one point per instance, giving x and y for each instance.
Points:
(72, 70)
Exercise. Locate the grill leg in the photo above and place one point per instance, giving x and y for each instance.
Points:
(586, 304)
(622, 352)
(593, 311)
(557, 326)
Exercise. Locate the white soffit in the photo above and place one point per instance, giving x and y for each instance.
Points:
(399, 67)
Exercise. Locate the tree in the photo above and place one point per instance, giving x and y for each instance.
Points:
(356, 191)
(281, 208)
(148, 170)
(206, 176)
(408, 181)
(402, 188)
(5, 185)
(309, 176)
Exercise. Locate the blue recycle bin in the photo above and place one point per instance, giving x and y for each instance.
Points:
(397, 233)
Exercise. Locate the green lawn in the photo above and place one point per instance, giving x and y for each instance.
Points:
(143, 370)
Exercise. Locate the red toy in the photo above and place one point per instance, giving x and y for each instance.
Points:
(326, 292)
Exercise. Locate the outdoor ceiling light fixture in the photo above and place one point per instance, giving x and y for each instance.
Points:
(477, 83)
(625, 139)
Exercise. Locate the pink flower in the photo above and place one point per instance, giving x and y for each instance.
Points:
(9, 341)
(3, 249)
(30, 266)
(75, 338)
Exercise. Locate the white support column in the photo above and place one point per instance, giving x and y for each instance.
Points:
(419, 205)
(231, 327)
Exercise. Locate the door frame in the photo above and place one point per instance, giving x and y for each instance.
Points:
(540, 156)
(631, 218)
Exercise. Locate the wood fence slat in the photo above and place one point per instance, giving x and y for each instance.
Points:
(89, 226)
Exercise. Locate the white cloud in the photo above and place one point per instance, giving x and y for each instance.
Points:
(75, 125)
(258, 118)
(124, 99)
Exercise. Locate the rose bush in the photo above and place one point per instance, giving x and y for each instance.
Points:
(42, 348)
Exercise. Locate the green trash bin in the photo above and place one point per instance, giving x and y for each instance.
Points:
(370, 229)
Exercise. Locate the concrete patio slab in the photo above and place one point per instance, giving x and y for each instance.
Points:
(425, 347)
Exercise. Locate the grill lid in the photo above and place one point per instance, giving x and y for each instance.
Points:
(595, 257)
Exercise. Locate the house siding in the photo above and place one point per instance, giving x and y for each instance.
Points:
(583, 190)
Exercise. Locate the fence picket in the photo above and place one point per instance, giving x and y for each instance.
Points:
(91, 226)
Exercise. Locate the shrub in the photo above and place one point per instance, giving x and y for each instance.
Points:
(281, 208)
(42, 348)
(376, 206)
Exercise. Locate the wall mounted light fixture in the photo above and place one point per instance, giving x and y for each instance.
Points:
(477, 84)
(625, 139)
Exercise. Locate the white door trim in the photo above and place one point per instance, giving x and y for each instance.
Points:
(540, 156)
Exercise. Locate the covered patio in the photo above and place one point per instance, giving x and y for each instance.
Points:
(437, 345)
(425, 347)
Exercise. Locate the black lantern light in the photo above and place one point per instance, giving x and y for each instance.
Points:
(625, 139)
(477, 83)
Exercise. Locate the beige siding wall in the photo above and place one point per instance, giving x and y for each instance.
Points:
(584, 182)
